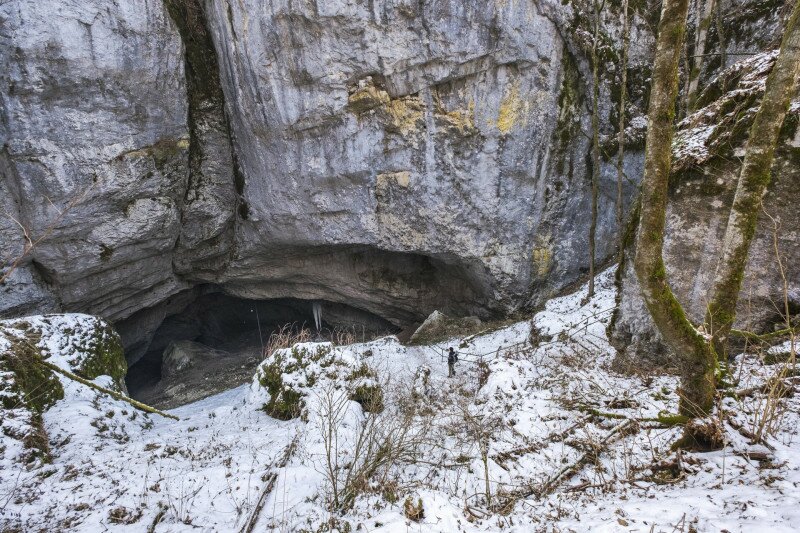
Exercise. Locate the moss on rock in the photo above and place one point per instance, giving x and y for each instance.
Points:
(27, 389)
(369, 396)
(365, 389)
(33, 384)
(104, 355)
(289, 375)
(83, 344)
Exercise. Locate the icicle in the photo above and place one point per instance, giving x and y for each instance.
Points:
(316, 307)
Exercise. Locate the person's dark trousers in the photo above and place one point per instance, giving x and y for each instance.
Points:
(452, 369)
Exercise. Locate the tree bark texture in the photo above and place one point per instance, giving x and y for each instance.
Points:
(754, 178)
(697, 359)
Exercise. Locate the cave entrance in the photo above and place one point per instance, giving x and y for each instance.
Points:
(216, 342)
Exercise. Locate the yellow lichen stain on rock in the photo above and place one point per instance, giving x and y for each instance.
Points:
(384, 182)
(403, 179)
(459, 120)
(406, 113)
(401, 114)
(161, 152)
(542, 256)
(510, 108)
(367, 97)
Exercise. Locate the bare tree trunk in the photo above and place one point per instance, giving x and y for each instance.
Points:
(723, 55)
(698, 362)
(754, 178)
(485, 459)
(595, 144)
(683, 104)
(114, 394)
(623, 94)
(703, 23)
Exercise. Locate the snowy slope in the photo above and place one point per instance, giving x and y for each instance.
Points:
(532, 411)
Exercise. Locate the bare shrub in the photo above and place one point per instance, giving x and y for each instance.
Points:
(288, 335)
(362, 446)
(478, 429)
(285, 337)
(771, 406)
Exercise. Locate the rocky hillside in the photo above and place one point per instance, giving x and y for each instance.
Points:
(706, 163)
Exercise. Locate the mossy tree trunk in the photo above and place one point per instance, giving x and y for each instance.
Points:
(698, 361)
(598, 6)
(723, 45)
(754, 178)
(683, 103)
(623, 95)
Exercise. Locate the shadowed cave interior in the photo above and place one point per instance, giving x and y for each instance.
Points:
(206, 340)
(218, 340)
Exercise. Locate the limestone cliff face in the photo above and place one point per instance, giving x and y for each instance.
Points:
(395, 155)
(409, 155)
(93, 116)
(388, 126)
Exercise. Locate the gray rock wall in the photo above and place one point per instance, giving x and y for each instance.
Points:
(94, 152)
(446, 130)
(394, 155)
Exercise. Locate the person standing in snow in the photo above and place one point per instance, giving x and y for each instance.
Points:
(452, 359)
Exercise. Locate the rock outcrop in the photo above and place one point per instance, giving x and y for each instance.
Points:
(707, 158)
(410, 128)
(94, 154)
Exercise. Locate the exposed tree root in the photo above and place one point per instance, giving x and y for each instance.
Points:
(665, 419)
(701, 434)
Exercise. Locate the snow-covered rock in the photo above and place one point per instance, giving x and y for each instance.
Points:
(707, 157)
(82, 344)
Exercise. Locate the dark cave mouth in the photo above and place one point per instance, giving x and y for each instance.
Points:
(210, 338)
(218, 340)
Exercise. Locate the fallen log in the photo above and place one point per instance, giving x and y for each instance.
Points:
(269, 484)
(571, 469)
(502, 457)
(551, 484)
(114, 394)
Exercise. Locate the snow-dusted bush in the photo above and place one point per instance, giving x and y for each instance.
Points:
(289, 375)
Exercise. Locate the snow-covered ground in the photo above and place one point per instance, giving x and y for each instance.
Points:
(565, 443)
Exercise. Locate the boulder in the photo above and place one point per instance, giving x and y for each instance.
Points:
(439, 327)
